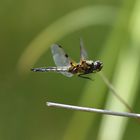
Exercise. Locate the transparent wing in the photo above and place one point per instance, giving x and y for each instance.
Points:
(59, 56)
(61, 59)
(83, 53)
(67, 74)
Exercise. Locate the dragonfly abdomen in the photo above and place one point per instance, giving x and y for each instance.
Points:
(49, 69)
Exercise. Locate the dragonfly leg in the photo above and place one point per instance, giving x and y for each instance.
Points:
(82, 76)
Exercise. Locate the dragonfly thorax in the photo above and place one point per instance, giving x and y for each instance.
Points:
(89, 62)
(85, 67)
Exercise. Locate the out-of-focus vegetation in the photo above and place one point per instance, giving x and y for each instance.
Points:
(110, 30)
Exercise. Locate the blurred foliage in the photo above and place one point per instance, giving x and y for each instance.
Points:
(112, 37)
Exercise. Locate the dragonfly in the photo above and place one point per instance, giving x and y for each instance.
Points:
(68, 67)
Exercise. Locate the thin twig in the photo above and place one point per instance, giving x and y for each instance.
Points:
(108, 83)
(107, 112)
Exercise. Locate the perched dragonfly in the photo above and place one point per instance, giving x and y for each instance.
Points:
(66, 66)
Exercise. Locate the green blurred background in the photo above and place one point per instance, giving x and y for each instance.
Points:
(112, 35)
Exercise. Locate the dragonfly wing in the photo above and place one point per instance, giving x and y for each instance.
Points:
(83, 53)
(59, 56)
(64, 70)
(67, 74)
(61, 59)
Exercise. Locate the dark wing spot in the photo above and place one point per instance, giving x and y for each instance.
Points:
(60, 46)
(66, 55)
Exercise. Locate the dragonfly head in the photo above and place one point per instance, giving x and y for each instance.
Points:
(98, 65)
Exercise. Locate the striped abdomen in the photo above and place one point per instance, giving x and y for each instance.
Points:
(50, 69)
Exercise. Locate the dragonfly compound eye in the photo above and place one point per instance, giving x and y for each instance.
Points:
(98, 65)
